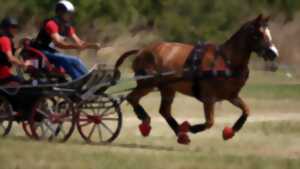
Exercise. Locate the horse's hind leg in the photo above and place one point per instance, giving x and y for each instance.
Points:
(228, 133)
(167, 98)
(209, 119)
(134, 98)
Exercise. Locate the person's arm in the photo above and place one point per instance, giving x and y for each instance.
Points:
(61, 43)
(14, 60)
(78, 41)
(90, 45)
(6, 48)
(53, 30)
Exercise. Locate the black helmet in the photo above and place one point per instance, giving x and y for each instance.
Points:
(9, 22)
(64, 6)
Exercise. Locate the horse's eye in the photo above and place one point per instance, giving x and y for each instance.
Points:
(257, 35)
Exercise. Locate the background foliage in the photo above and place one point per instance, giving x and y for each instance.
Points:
(176, 20)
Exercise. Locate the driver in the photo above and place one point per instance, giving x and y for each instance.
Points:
(8, 29)
(53, 33)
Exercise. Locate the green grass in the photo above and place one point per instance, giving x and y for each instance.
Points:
(255, 147)
(272, 91)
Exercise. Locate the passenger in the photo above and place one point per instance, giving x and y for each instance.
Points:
(8, 29)
(52, 34)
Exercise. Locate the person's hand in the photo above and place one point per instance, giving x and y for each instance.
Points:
(97, 46)
(26, 65)
(82, 46)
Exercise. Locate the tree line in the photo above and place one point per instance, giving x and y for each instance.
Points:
(175, 20)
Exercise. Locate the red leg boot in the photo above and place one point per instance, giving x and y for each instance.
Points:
(228, 133)
(145, 128)
(183, 137)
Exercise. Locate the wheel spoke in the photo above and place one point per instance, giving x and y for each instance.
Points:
(85, 124)
(107, 128)
(108, 114)
(105, 112)
(100, 133)
(84, 113)
(92, 131)
(110, 119)
(42, 113)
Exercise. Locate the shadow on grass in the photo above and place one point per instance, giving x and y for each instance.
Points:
(112, 145)
(151, 147)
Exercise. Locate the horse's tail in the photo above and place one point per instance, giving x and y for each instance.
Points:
(121, 60)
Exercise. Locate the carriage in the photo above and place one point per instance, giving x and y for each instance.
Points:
(49, 106)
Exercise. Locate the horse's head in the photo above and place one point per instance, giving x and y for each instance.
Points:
(261, 41)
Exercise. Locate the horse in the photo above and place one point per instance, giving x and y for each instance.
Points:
(253, 36)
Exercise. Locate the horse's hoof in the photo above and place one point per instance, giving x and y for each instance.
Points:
(228, 133)
(145, 128)
(183, 138)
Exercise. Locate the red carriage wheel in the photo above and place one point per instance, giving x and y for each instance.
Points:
(6, 117)
(100, 122)
(52, 118)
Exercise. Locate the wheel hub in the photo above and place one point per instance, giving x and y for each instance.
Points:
(95, 119)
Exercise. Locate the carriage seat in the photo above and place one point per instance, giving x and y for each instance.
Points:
(38, 64)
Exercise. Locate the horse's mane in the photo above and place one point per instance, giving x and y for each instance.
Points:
(242, 29)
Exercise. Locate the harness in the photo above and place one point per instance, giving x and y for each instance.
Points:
(43, 40)
(193, 62)
(199, 71)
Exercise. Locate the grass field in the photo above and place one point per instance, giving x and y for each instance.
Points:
(265, 142)
(270, 139)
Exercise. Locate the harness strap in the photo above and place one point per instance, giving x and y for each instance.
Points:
(193, 62)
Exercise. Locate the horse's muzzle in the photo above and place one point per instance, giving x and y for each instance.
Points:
(270, 54)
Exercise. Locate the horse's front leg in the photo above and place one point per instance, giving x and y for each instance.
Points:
(228, 133)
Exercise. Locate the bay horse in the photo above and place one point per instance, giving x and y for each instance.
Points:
(253, 36)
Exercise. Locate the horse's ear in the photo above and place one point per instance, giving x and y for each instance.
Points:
(268, 18)
(259, 18)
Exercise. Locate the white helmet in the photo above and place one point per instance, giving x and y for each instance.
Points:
(64, 6)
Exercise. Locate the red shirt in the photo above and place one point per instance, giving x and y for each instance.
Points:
(51, 28)
(5, 46)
